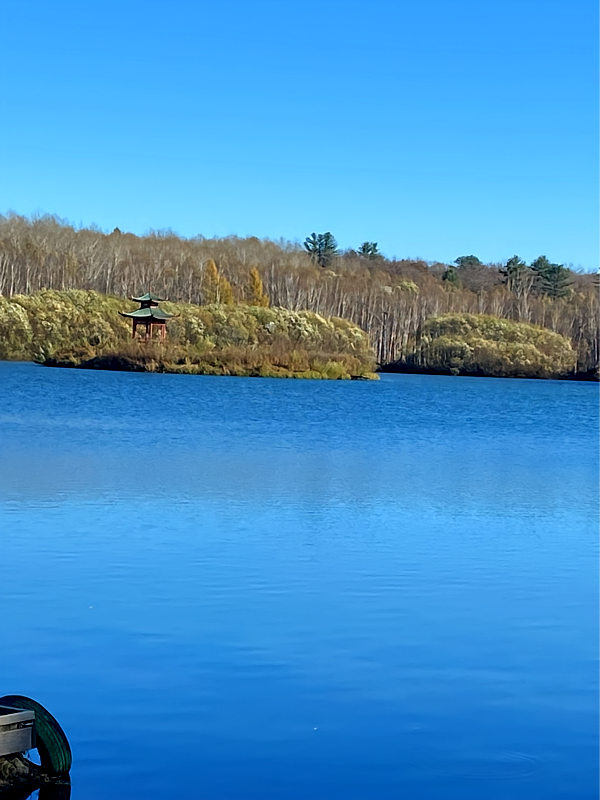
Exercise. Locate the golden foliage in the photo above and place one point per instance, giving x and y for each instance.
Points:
(210, 283)
(480, 344)
(388, 298)
(225, 292)
(216, 288)
(73, 327)
(255, 292)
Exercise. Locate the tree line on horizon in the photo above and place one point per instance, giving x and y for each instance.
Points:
(391, 299)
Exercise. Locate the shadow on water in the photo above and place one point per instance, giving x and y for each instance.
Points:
(48, 791)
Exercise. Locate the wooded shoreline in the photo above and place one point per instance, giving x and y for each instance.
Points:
(84, 329)
(391, 299)
(410, 369)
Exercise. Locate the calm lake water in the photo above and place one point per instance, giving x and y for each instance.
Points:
(238, 588)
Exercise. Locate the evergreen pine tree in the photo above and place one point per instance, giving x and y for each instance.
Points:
(463, 262)
(369, 250)
(514, 272)
(322, 248)
(553, 280)
(451, 277)
(311, 245)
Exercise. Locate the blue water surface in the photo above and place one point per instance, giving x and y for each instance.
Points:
(237, 589)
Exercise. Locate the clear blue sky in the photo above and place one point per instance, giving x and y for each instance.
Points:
(434, 127)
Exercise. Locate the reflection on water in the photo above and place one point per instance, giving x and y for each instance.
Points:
(275, 589)
(48, 791)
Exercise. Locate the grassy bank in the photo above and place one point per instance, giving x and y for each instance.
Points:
(478, 344)
(84, 329)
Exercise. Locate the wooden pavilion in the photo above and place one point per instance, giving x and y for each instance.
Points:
(149, 316)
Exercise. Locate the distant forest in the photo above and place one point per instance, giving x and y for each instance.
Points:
(391, 299)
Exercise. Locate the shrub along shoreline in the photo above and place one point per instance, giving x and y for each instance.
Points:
(153, 357)
(84, 329)
(480, 345)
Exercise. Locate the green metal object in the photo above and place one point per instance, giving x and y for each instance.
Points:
(148, 297)
(51, 742)
(146, 313)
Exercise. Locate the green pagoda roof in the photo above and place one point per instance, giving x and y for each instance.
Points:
(146, 298)
(148, 314)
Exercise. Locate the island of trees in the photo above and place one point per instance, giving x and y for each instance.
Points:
(252, 306)
(78, 328)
